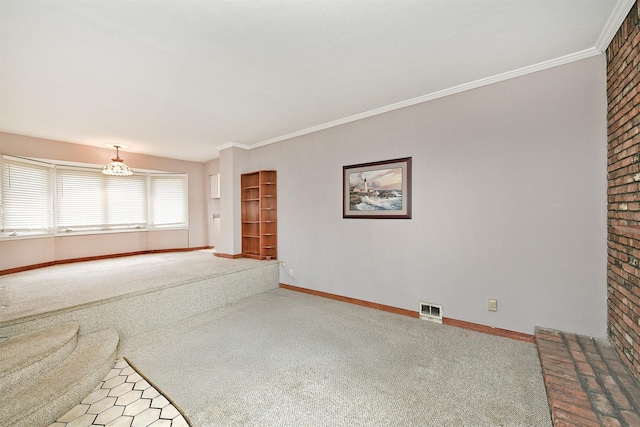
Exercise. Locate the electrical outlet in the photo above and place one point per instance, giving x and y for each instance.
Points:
(291, 272)
(493, 305)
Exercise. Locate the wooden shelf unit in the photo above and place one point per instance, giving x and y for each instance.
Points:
(259, 215)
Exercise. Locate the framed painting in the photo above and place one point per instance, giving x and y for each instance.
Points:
(377, 189)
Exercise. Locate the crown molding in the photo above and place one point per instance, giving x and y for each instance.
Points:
(611, 28)
(584, 54)
(613, 24)
(233, 145)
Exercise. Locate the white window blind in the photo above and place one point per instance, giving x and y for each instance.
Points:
(26, 202)
(89, 200)
(126, 201)
(79, 200)
(169, 201)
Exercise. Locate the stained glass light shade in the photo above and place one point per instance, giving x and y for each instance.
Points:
(117, 167)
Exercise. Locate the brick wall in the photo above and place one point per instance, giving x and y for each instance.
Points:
(623, 96)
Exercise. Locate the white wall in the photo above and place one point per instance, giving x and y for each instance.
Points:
(212, 167)
(231, 161)
(509, 202)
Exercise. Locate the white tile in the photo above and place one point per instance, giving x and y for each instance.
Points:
(121, 389)
(114, 382)
(129, 397)
(95, 395)
(101, 405)
(161, 423)
(112, 373)
(109, 415)
(83, 421)
(150, 393)
(121, 422)
(169, 412)
(179, 422)
(138, 406)
(160, 402)
(134, 378)
(142, 385)
(145, 418)
(74, 413)
(128, 371)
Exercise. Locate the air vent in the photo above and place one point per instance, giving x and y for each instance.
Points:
(432, 312)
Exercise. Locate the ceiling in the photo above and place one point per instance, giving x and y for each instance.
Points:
(184, 78)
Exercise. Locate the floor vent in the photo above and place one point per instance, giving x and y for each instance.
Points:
(432, 312)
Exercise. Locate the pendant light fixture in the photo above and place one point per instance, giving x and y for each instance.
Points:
(117, 166)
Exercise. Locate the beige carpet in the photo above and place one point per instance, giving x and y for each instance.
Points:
(284, 358)
(59, 287)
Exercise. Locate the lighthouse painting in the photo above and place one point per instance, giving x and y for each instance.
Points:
(378, 189)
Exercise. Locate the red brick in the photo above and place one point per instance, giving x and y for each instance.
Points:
(618, 367)
(602, 404)
(594, 357)
(623, 146)
(632, 418)
(563, 423)
(588, 345)
(568, 398)
(553, 352)
(564, 374)
(578, 355)
(609, 421)
(585, 369)
(631, 387)
(563, 385)
(557, 362)
(619, 398)
(548, 335)
(600, 367)
(592, 384)
(570, 418)
(567, 393)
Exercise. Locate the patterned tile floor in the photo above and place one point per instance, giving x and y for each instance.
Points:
(124, 399)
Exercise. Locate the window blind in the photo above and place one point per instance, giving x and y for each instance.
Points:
(26, 202)
(89, 200)
(80, 204)
(169, 201)
(126, 198)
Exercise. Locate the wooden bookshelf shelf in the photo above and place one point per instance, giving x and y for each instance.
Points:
(259, 214)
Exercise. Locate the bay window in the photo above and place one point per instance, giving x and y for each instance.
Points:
(40, 198)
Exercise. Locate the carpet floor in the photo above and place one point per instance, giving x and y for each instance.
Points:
(59, 287)
(283, 358)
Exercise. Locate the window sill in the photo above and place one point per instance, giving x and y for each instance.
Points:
(86, 233)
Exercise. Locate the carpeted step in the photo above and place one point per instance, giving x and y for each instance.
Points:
(53, 393)
(24, 356)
